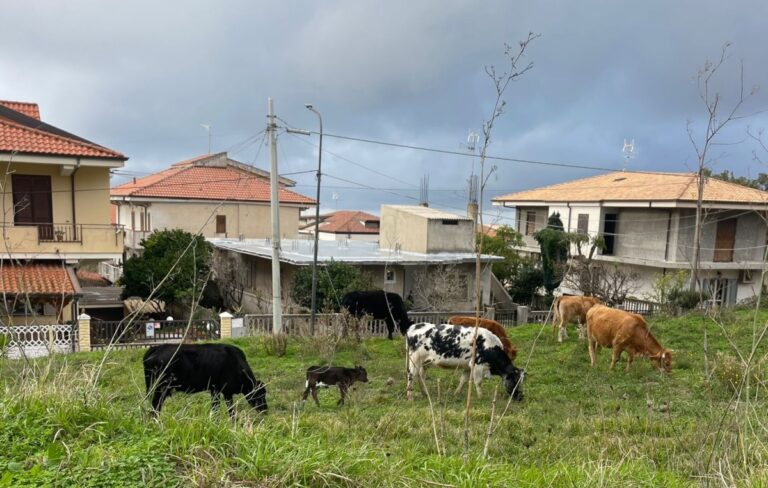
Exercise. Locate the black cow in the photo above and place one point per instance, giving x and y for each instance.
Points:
(325, 376)
(381, 305)
(220, 369)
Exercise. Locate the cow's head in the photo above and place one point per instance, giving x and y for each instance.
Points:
(258, 396)
(663, 360)
(513, 382)
(405, 324)
(362, 374)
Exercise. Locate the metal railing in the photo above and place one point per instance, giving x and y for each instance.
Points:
(60, 233)
(110, 271)
(126, 334)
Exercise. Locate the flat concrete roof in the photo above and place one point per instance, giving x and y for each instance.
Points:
(299, 252)
(428, 212)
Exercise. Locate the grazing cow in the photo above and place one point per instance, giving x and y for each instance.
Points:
(495, 327)
(381, 305)
(568, 308)
(624, 331)
(326, 376)
(220, 369)
(450, 346)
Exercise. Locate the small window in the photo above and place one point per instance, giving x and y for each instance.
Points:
(371, 224)
(133, 219)
(583, 225)
(141, 220)
(530, 223)
(390, 276)
(24, 308)
(450, 222)
(221, 224)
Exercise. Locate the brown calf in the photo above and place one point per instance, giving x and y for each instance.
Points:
(624, 331)
(568, 308)
(496, 328)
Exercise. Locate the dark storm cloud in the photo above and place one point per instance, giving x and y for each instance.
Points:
(142, 76)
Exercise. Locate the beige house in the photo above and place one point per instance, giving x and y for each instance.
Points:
(56, 214)
(427, 258)
(648, 223)
(212, 194)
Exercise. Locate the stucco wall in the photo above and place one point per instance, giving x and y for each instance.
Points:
(252, 220)
(417, 233)
(641, 234)
(750, 236)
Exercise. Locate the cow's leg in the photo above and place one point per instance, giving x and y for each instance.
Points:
(592, 352)
(343, 391)
(479, 375)
(314, 394)
(409, 367)
(582, 330)
(630, 357)
(462, 381)
(561, 332)
(159, 395)
(306, 392)
(615, 353)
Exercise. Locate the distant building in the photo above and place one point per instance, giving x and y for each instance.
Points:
(212, 194)
(648, 222)
(56, 192)
(425, 255)
(344, 224)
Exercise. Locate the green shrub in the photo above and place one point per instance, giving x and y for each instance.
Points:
(685, 300)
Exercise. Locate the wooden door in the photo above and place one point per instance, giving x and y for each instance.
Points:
(33, 203)
(221, 224)
(725, 240)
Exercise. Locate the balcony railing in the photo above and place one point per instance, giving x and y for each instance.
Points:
(60, 233)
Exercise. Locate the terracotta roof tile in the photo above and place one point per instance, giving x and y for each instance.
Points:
(90, 278)
(35, 279)
(201, 182)
(27, 108)
(347, 222)
(18, 138)
(635, 186)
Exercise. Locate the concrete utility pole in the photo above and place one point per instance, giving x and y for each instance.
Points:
(277, 303)
(317, 223)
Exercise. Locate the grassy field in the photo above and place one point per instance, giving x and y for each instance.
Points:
(578, 426)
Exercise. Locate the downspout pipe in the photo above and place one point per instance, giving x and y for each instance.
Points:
(74, 211)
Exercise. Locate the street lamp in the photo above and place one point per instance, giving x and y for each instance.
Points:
(317, 222)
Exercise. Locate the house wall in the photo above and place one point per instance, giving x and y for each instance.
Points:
(750, 236)
(330, 236)
(416, 233)
(92, 215)
(542, 214)
(641, 233)
(252, 220)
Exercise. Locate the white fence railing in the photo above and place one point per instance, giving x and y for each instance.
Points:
(110, 271)
(37, 340)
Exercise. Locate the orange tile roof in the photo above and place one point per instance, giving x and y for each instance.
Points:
(203, 182)
(19, 138)
(347, 222)
(27, 108)
(91, 278)
(35, 279)
(637, 186)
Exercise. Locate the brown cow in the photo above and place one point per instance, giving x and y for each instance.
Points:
(568, 308)
(495, 327)
(624, 331)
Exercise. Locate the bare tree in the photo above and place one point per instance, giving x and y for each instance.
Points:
(436, 286)
(501, 82)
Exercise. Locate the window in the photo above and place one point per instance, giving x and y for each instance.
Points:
(583, 225)
(609, 233)
(390, 276)
(21, 306)
(32, 201)
(141, 220)
(221, 224)
(530, 223)
(450, 222)
(725, 240)
(133, 219)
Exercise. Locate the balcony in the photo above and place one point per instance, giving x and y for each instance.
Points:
(46, 241)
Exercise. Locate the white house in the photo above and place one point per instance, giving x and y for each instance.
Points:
(648, 222)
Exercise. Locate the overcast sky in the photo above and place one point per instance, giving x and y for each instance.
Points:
(141, 76)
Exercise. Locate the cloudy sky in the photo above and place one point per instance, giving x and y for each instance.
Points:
(142, 76)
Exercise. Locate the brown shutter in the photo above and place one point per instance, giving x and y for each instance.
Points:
(221, 224)
(725, 240)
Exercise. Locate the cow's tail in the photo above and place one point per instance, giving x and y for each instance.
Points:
(555, 314)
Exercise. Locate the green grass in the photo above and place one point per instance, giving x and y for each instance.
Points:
(578, 426)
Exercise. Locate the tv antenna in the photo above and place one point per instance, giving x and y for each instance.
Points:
(629, 152)
(424, 191)
(472, 139)
(335, 198)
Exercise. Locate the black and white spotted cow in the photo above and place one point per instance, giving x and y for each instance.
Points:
(450, 346)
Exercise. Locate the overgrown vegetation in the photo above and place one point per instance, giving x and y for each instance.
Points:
(334, 280)
(671, 293)
(579, 426)
(174, 267)
(553, 241)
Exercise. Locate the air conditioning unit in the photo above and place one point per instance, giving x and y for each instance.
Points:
(747, 276)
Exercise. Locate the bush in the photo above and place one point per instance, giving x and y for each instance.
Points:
(276, 345)
(730, 372)
(686, 300)
(334, 280)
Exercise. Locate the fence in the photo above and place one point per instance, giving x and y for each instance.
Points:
(538, 316)
(38, 340)
(127, 334)
(331, 323)
(110, 271)
(640, 307)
